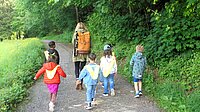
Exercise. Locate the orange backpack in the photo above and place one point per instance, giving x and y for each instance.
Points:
(83, 42)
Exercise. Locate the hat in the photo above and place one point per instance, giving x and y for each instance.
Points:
(106, 47)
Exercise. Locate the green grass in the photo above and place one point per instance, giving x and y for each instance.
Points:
(64, 38)
(19, 61)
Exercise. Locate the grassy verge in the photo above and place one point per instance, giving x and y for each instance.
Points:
(20, 60)
(64, 38)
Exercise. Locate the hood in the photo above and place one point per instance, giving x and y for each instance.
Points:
(139, 55)
(50, 65)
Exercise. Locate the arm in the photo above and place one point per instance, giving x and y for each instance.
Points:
(39, 73)
(82, 74)
(115, 67)
(58, 57)
(131, 64)
(61, 72)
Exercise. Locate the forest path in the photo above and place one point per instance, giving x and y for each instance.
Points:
(71, 100)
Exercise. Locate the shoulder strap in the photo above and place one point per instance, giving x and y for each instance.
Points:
(46, 53)
(107, 71)
(51, 73)
(93, 73)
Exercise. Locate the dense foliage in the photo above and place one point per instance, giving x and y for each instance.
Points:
(17, 69)
(171, 39)
(5, 17)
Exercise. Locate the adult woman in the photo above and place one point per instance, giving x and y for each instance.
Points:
(78, 59)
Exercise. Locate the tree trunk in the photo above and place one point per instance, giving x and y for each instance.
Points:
(77, 16)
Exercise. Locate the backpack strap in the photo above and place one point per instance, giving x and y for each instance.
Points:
(51, 73)
(46, 53)
(93, 73)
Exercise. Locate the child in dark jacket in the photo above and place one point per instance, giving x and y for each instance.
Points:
(52, 73)
(52, 50)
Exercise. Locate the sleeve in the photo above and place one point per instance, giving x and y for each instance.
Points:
(40, 72)
(83, 73)
(132, 61)
(115, 66)
(73, 37)
(58, 57)
(61, 72)
(101, 63)
(100, 75)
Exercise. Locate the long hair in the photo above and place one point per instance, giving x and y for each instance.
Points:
(81, 25)
(107, 53)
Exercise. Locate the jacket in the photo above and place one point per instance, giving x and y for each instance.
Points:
(86, 76)
(138, 63)
(106, 65)
(50, 66)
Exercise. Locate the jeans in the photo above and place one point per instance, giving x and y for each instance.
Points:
(110, 80)
(90, 93)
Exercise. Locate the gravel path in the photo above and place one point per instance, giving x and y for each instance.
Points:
(71, 100)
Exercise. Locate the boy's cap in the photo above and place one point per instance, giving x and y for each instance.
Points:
(106, 47)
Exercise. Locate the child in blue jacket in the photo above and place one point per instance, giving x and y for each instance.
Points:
(138, 64)
(90, 74)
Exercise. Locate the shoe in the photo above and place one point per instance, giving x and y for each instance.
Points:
(137, 95)
(140, 93)
(105, 94)
(51, 109)
(80, 87)
(51, 106)
(88, 107)
(112, 92)
(77, 86)
(94, 103)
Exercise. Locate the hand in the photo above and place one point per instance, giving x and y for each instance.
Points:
(115, 74)
(35, 78)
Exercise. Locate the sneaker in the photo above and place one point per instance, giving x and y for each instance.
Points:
(137, 95)
(112, 92)
(105, 94)
(94, 103)
(140, 93)
(51, 106)
(51, 109)
(88, 107)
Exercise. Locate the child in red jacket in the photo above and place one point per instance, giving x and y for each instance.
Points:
(52, 73)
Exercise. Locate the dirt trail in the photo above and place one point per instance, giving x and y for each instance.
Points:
(71, 100)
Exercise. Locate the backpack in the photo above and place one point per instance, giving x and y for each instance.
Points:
(83, 42)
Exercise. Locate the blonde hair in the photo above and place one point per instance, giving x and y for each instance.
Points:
(81, 25)
(139, 48)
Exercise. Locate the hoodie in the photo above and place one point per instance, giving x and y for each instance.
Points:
(138, 62)
(50, 67)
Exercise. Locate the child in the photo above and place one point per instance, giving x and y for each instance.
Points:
(90, 74)
(109, 68)
(52, 73)
(52, 50)
(138, 63)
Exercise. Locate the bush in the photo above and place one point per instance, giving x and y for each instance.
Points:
(22, 62)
